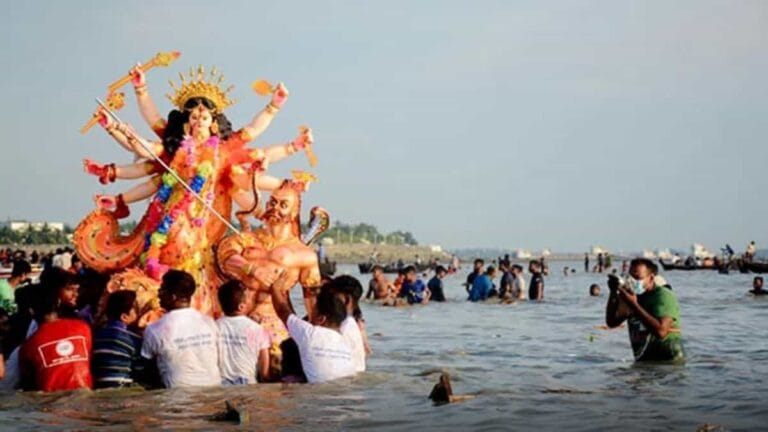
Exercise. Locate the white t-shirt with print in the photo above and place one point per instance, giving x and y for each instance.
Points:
(185, 344)
(351, 332)
(325, 354)
(240, 340)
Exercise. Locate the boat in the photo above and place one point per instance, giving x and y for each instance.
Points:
(390, 268)
(671, 266)
(753, 267)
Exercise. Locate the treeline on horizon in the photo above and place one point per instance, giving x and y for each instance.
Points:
(339, 232)
(42, 236)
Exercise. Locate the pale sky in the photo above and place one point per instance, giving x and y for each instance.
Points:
(533, 124)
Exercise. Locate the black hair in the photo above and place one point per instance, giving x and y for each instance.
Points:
(20, 267)
(760, 278)
(490, 269)
(44, 303)
(645, 262)
(409, 269)
(55, 278)
(179, 283)
(594, 290)
(352, 287)
(439, 269)
(377, 267)
(518, 267)
(479, 261)
(92, 287)
(231, 294)
(330, 306)
(174, 129)
(347, 285)
(119, 303)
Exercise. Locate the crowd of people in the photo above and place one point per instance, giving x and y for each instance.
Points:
(59, 338)
(56, 334)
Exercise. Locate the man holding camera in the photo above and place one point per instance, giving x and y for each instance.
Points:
(651, 311)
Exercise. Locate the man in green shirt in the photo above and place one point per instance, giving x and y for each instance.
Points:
(651, 311)
(20, 272)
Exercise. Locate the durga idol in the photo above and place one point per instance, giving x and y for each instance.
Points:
(198, 144)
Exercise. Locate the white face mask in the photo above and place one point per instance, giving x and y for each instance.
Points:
(638, 287)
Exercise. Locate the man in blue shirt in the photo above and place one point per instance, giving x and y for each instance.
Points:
(482, 285)
(116, 349)
(414, 289)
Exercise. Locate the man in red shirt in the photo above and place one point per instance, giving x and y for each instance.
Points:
(58, 356)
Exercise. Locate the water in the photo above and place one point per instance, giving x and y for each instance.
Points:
(531, 366)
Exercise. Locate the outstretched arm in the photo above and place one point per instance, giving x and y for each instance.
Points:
(310, 281)
(281, 300)
(280, 151)
(147, 107)
(261, 122)
(129, 139)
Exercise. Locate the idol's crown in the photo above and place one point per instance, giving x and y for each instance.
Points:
(196, 86)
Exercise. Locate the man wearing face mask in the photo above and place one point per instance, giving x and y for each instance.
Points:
(651, 311)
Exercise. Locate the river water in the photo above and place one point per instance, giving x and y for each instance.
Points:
(530, 366)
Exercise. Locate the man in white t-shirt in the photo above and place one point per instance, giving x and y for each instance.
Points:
(325, 353)
(518, 283)
(349, 290)
(243, 343)
(184, 342)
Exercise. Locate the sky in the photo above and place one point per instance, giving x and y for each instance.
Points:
(513, 124)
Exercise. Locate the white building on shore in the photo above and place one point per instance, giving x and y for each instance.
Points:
(21, 226)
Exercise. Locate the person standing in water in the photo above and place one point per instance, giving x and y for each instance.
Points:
(651, 311)
(757, 286)
(536, 289)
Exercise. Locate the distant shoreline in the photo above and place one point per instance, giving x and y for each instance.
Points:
(353, 253)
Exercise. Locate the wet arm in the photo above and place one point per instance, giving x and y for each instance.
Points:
(310, 283)
(661, 327)
(281, 299)
(263, 365)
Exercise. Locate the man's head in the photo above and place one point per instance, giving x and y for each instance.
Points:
(517, 269)
(534, 266)
(594, 290)
(349, 290)
(21, 270)
(45, 304)
(504, 265)
(757, 283)
(644, 271)
(61, 282)
(284, 205)
(329, 309)
(440, 272)
(176, 290)
(378, 271)
(479, 264)
(410, 274)
(121, 306)
(234, 299)
(491, 272)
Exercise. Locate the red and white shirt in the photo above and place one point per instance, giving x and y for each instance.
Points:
(58, 356)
